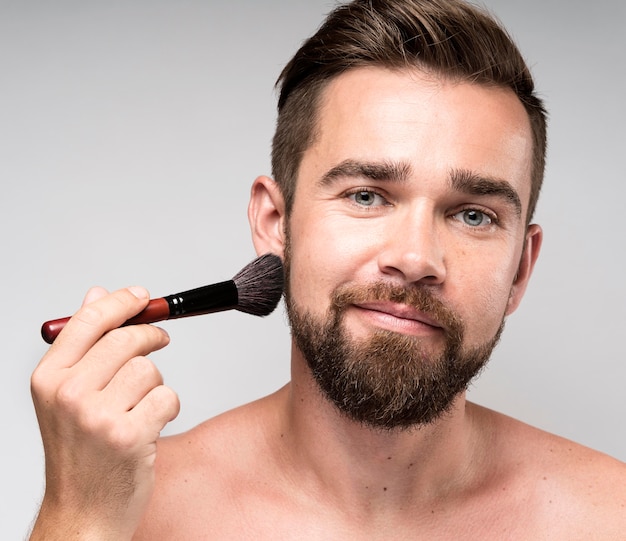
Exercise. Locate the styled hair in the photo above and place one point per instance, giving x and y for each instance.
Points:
(448, 38)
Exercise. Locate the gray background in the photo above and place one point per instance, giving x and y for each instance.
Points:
(130, 132)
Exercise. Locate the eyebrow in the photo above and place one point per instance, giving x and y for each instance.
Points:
(384, 171)
(466, 181)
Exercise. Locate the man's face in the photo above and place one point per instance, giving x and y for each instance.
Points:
(405, 238)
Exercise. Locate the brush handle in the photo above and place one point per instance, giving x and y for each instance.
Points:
(202, 300)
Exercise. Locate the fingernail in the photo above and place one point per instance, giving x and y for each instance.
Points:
(139, 292)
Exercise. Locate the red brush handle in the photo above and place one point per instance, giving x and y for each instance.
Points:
(157, 310)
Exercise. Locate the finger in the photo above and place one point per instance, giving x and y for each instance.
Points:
(94, 294)
(160, 406)
(134, 380)
(92, 321)
(102, 362)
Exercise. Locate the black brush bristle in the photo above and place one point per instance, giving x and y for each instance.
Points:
(260, 285)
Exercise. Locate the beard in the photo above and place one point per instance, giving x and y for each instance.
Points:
(388, 380)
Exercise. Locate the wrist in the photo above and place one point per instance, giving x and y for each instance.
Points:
(57, 524)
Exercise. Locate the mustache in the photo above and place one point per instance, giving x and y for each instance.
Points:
(417, 297)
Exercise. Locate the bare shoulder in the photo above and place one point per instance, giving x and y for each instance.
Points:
(582, 488)
(541, 449)
(201, 474)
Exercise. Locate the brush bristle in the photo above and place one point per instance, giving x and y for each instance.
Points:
(260, 285)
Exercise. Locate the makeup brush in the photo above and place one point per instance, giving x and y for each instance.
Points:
(255, 289)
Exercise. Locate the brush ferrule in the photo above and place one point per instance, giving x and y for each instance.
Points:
(203, 300)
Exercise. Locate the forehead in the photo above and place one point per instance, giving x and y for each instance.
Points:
(434, 124)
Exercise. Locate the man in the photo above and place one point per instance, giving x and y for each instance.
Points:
(408, 159)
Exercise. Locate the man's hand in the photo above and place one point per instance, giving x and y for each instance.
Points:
(101, 405)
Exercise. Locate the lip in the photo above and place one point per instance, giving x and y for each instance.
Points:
(398, 316)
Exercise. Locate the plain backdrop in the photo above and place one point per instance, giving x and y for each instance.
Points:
(130, 132)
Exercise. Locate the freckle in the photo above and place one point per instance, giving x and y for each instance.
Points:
(432, 512)
(282, 435)
(545, 478)
(385, 489)
(388, 458)
(410, 465)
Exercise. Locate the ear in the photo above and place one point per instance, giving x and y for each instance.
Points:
(266, 214)
(534, 236)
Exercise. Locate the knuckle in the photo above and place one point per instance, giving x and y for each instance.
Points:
(69, 396)
(124, 338)
(38, 382)
(164, 402)
(103, 425)
(144, 369)
(90, 314)
(139, 339)
(121, 437)
(103, 311)
(169, 395)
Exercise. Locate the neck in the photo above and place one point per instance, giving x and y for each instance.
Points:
(364, 466)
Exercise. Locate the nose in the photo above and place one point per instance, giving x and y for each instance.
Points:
(412, 249)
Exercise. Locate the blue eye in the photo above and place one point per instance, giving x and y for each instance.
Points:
(367, 198)
(474, 217)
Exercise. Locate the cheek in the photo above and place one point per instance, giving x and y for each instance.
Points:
(313, 261)
(482, 305)
(324, 254)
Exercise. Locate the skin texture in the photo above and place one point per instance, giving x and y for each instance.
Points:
(291, 466)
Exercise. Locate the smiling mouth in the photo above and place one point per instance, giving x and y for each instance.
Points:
(397, 317)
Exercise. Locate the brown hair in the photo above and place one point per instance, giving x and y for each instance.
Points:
(447, 37)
